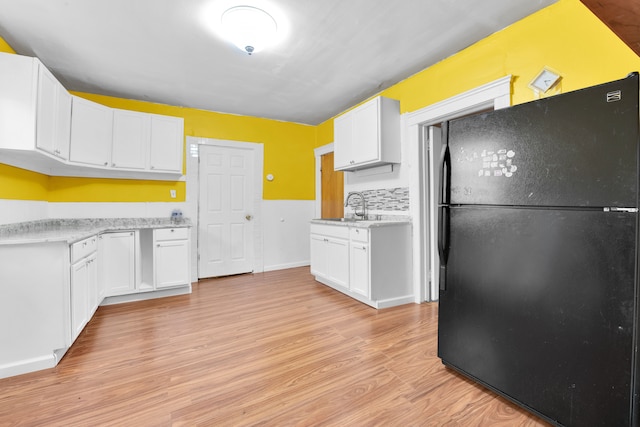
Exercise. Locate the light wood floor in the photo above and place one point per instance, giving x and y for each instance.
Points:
(272, 349)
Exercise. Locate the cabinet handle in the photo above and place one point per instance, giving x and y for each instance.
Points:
(158, 245)
(172, 230)
(106, 163)
(153, 167)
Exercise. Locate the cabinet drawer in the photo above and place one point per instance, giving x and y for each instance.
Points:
(180, 233)
(359, 235)
(339, 231)
(83, 248)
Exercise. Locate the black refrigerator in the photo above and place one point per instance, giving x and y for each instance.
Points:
(538, 243)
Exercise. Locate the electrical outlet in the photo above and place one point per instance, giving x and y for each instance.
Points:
(173, 193)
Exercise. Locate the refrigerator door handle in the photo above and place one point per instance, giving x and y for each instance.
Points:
(445, 161)
(443, 244)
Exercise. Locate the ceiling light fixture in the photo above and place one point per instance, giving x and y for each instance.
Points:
(249, 28)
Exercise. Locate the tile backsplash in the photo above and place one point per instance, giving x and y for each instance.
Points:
(388, 199)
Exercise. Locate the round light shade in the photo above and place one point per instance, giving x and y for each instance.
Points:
(249, 28)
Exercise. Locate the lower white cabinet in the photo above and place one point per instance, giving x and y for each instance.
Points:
(48, 304)
(84, 284)
(330, 254)
(369, 263)
(359, 271)
(171, 257)
(117, 263)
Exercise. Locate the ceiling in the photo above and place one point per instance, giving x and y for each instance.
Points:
(336, 53)
(621, 16)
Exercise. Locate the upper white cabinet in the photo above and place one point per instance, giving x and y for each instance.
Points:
(131, 136)
(148, 142)
(53, 117)
(167, 141)
(91, 132)
(45, 129)
(35, 111)
(368, 135)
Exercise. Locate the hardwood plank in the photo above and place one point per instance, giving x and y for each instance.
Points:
(273, 349)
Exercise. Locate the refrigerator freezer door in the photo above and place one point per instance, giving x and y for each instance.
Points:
(575, 149)
(539, 305)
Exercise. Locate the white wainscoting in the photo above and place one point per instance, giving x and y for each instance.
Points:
(286, 233)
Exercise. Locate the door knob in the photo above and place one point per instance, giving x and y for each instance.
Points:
(248, 217)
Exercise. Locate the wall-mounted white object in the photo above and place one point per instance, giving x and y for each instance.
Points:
(269, 177)
(545, 80)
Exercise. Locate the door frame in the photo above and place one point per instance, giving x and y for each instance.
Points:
(193, 192)
(318, 153)
(496, 95)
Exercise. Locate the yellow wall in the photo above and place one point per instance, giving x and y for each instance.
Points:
(565, 36)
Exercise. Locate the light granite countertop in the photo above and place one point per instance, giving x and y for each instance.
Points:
(73, 230)
(383, 221)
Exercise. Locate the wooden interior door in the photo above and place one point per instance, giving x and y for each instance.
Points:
(332, 188)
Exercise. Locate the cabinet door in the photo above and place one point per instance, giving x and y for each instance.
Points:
(91, 132)
(366, 130)
(318, 255)
(167, 143)
(117, 263)
(92, 285)
(79, 297)
(343, 141)
(46, 111)
(63, 123)
(171, 263)
(338, 261)
(359, 278)
(131, 135)
(18, 86)
(53, 115)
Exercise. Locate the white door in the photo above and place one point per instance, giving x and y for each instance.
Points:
(225, 214)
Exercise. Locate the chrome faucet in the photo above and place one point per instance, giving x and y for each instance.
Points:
(364, 204)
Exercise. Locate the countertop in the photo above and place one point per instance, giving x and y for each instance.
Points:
(73, 230)
(362, 223)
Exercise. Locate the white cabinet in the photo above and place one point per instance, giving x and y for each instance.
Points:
(35, 111)
(131, 136)
(167, 143)
(171, 257)
(368, 135)
(84, 284)
(147, 142)
(360, 265)
(91, 132)
(53, 115)
(377, 259)
(117, 263)
(330, 254)
(45, 129)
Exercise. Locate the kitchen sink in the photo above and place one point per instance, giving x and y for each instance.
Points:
(354, 219)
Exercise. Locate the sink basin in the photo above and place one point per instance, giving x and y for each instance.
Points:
(342, 219)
